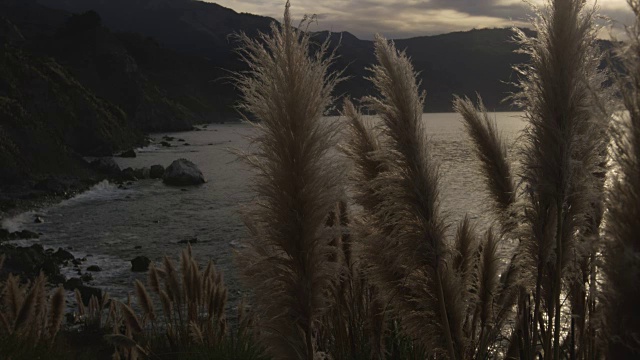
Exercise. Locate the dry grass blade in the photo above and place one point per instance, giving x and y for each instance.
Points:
(172, 283)
(297, 182)
(408, 258)
(27, 311)
(154, 281)
(57, 305)
(466, 251)
(40, 313)
(492, 153)
(144, 300)
(13, 296)
(195, 333)
(622, 221)
(561, 144)
(131, 320)
(363, 147)
(166, 305)
(79, 302)
(489, 278)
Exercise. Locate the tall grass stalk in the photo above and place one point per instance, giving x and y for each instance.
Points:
(561, 144)
(622, 223)
(491, 150)
(406, 251)
(28, 316)
(297, 183)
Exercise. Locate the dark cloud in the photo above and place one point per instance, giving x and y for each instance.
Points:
(407, 18)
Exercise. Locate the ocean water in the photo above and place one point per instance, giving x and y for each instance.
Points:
(107, 223)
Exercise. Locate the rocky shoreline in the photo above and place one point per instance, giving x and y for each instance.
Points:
(16, 199)
(29, 261)
(31, 194)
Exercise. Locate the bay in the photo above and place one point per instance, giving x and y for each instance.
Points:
(110, 225)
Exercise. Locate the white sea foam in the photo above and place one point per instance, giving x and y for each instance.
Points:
(19, 221)
(23, 242)
(101, 191)
(148, 149)
(237, 244)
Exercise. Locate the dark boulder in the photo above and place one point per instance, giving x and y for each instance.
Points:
(73, 283)
(165, 144)
(27, 260)
(128, 174)
(128, 154)
(106, 165)
(30, 261)
(38, 220)
(52, 270)
(183, 172)
(156, 172)
(63, 255)
(140, 264)
(26, 234)
(18, 235)
(87, 277)
(143, 173)
(94, 268)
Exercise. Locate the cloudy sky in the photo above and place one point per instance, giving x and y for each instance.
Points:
(407, 18)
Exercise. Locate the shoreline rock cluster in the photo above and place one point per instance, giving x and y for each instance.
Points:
(181, 172)
(109, 167)
(29, 261)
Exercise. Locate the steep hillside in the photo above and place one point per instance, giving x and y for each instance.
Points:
(189, 26)
(159, 89)
(48, 118)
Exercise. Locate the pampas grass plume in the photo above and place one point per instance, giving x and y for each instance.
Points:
(57, 311)
(144, 300)
(297, 183)
(492, 153)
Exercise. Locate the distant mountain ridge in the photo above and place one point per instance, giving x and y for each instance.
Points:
(460, 63)
(111, 70)
(189, 26)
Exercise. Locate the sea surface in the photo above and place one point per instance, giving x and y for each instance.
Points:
(110, 225)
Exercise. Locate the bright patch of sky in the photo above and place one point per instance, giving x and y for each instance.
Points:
(408, 18)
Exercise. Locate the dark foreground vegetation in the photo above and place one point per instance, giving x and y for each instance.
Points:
(350, 257)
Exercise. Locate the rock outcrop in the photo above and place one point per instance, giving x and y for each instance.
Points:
(106, 165)
(128, 154)
(156, 172)
(140, 264)
(183, 172)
